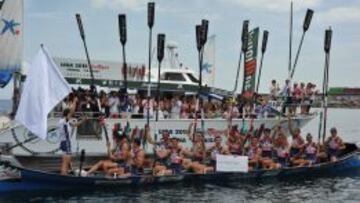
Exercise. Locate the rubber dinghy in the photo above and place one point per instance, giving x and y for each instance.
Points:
(348, 164)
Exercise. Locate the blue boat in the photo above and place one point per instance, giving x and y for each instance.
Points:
(348, 164)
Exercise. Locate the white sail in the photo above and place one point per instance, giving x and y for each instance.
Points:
(208, 69)
(11, 38)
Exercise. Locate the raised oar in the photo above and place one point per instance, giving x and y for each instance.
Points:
(290, 38)
(160, 57)
(327, 46)
(204, 36)
(307, 21)
(122, 33)
(93, 87)
(244, 45)
(82, 159)
(263, 49)
(244, 36)
(82, 34)
(198, 33)
(151, 15)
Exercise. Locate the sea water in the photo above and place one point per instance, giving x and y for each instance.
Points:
(328, 189)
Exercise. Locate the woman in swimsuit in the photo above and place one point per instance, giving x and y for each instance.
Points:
(311, 150)
(266, 144)
(282, 150)
(334, 145)
(253, 152)
(137, 158)
(297, 145)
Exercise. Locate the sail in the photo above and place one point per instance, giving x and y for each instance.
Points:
(250, 64)
(208, 67)
(11, 39)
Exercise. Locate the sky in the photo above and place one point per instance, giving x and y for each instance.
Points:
(53, 23)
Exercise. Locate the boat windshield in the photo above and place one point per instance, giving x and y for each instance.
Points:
(192, 78)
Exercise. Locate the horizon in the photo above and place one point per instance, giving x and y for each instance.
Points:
(53, 23)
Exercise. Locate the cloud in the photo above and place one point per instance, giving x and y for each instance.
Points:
(275, 5)
(124, 4)
(341, 15)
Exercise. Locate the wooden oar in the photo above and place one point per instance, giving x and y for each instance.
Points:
(327, 46)
(151, 16)
(82, 159)
(306, 25)
(160, 57)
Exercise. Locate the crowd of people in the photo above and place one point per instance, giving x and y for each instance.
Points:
(298, 95)
(116, 105)
(265, 148)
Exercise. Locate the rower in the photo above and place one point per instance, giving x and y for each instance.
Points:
(266, 144)
(176, 156)
(162, 147)
(217, 148)
(118, 157)
(311, 150)
(253, 152)
(138, 158)
(334, 145)
(235, 142)
(297, 143)
(65, 130)
(282, 149)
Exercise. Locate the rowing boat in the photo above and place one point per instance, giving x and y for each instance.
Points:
(348, 164)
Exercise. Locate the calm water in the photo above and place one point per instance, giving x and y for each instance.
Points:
(338, 189)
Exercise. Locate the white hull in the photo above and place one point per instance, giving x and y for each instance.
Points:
(96, 146)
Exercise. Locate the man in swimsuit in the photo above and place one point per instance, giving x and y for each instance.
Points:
(334, 145)
(162, 147)
(217, 148)
(137, 158)
(253, 152)
(118, 159)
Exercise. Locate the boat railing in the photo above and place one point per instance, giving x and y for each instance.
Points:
(223, 116)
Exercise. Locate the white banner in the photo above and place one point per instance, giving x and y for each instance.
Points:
(231, 163)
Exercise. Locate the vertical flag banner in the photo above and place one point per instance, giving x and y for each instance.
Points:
(250, 64)
(11, 39)
(208, 67)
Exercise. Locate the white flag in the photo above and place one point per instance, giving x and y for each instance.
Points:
(44, 88)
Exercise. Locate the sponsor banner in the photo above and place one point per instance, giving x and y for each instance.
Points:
(231, 163)
(250, 64)
(77, 68)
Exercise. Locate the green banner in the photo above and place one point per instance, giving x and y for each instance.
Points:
(250, 64)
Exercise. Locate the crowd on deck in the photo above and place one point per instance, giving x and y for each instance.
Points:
(266, 149)
(115, 104)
